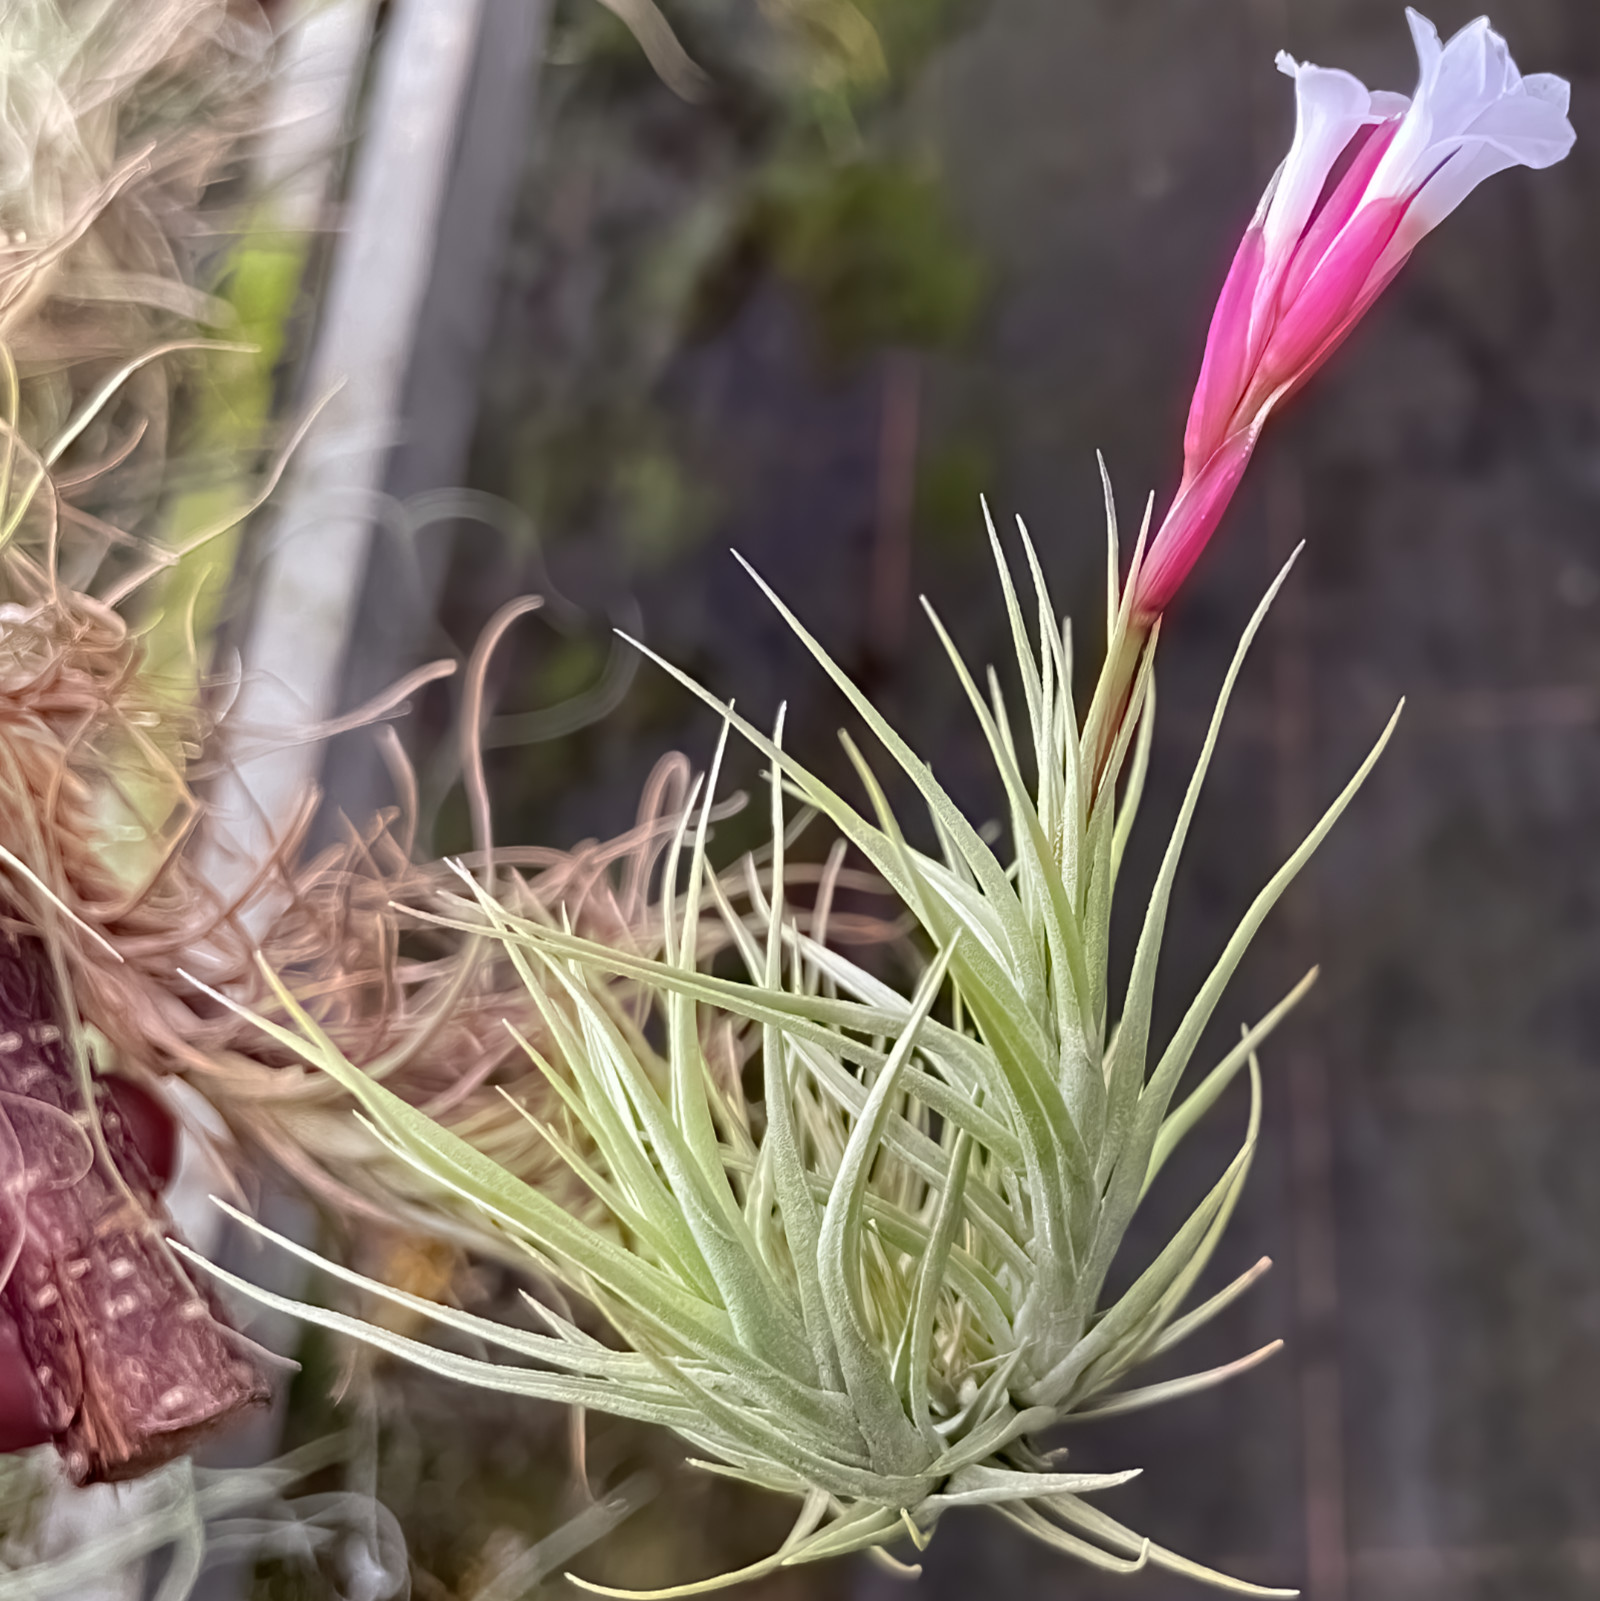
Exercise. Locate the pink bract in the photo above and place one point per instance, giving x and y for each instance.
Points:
(1367, 176)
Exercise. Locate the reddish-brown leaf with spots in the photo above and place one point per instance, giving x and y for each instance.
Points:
(113, 1351)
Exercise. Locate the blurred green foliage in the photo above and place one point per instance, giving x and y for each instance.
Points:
(225, 418)
(649, 222)
(660, 506)
(951, 479)
(872, 248)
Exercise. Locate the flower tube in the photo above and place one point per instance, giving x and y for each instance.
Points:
(1367, 175)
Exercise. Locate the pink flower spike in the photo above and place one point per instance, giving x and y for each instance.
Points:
(1367, 175)
(1321, 308)
(1222, 371)
(1383, 275)
(1189, 525)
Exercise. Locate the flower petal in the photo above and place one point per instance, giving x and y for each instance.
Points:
(1547, 86)
(1470, 90)
(1528, 129)
(1397, 172)
(1425, 40)
(1471, 74)
(1531, 129)
(1329, 107)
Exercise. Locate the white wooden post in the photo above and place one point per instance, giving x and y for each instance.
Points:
(309, 579)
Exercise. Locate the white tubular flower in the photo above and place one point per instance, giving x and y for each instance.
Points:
(1367, 175)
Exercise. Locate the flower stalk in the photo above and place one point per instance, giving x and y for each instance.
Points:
(1368, 175)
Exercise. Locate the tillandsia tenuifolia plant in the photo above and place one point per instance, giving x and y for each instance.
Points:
(877, 1284)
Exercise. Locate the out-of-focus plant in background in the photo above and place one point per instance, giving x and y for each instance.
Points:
(799, 169)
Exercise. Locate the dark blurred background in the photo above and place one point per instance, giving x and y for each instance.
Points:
(898, 253)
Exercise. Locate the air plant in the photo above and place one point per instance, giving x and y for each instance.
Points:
(874, 1285)
(872, 1288)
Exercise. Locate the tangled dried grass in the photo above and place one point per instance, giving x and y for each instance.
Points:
(85, 741)
(120, 115)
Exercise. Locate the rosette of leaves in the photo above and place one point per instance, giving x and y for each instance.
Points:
(876, 1284)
